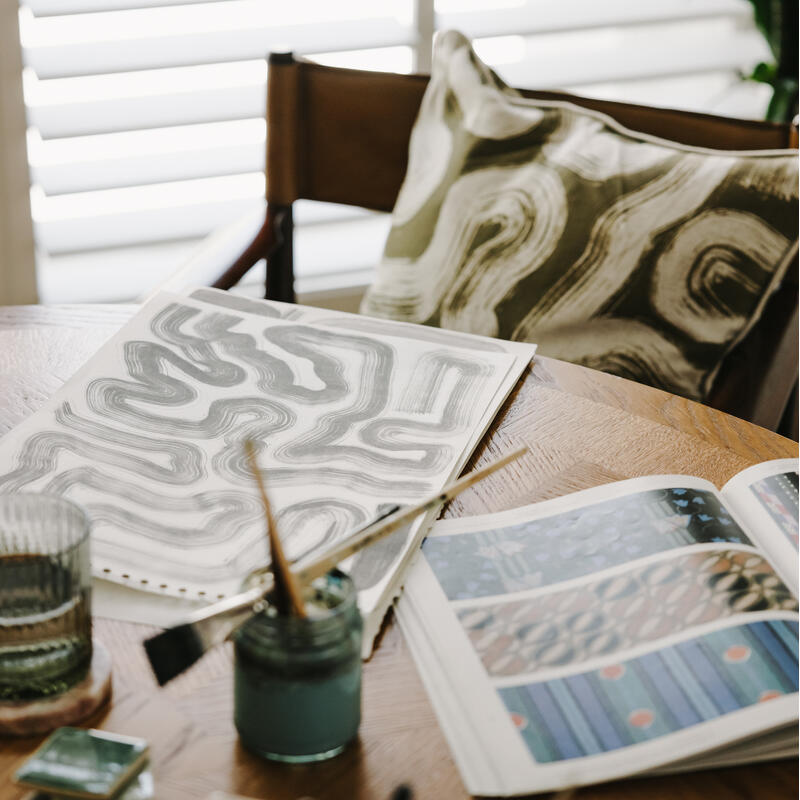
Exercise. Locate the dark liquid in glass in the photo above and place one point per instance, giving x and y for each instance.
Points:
(45, 627)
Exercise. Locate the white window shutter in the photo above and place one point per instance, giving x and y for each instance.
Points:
(146, 117)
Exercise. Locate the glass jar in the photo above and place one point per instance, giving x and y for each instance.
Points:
(297, 682)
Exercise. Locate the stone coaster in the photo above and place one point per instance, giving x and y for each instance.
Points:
(30, 717)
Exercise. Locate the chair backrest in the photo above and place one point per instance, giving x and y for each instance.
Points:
(341, 136)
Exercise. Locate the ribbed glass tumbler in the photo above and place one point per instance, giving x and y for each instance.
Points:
(45, 596)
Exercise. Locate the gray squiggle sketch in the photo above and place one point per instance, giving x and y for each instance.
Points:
(376, 485)
(275, 373)
(40, 454)
(318, 522)
(149, 439)
(418, 332)
(426, 385)
(421, 394)
(226, 509)
(225, 416)
(238, 303)
(370, 399)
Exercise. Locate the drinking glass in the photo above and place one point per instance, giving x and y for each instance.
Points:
(45, 594)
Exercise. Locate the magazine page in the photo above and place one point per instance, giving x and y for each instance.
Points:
(608, 632)
(765, 497)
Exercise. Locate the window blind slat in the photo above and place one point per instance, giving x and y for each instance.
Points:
(109, 276)
(600, 56)
(216, 92)
(160, 212)
(575, 15)
(130, 158)
(120, 273)
(44, 8)
(180, 106)
(58, 56)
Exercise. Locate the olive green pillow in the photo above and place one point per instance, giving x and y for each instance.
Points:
(546, 222)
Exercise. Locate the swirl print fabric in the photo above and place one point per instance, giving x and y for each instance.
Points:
(543, 221)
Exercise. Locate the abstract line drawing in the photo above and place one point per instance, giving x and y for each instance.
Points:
(778, 496)
(659, 693)
(578, 542)
(643, 604)
(148, 437)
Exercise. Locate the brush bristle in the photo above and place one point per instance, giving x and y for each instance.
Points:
(173, 651)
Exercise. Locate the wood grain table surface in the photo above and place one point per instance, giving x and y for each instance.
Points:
(583, 429)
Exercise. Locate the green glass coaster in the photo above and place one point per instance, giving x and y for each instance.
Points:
(89, 764)
(139, 787)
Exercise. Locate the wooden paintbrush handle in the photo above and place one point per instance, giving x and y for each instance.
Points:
(285, 582)
(317, 564)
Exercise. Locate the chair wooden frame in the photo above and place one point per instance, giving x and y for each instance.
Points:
(341, 136)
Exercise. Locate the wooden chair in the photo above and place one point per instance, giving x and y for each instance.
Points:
(341, 136)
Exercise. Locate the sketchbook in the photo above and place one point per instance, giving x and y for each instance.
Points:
(643, 626)
(348, 414)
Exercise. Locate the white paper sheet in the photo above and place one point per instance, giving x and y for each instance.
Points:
(147, 436)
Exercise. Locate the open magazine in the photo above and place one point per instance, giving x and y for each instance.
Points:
(648, 625)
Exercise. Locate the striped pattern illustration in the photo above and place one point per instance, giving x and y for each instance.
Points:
(550, 223)
(655, 694)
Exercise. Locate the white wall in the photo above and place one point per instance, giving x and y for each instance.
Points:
(17, 254)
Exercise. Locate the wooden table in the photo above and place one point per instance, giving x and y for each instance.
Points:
(583, 428)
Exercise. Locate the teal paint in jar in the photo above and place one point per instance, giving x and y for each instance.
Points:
(297, 682)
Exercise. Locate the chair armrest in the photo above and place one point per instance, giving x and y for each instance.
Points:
(215, 254)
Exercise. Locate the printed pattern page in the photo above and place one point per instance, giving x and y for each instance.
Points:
(632, 615)
(539, 552)
(664, 691)
(765, 497)
(778, 496)
(613, 613)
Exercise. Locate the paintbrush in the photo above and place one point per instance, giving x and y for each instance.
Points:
(177, 648)
(285, 595)
(315, 564)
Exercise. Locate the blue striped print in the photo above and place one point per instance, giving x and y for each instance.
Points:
(693, 689)
(776, 652)
(551, 714)
(666, 685)
(787, 631)
(710, 679)
(595, 712)
(682, 684)
(576, 717)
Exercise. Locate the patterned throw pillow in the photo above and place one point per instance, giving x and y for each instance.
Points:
(545, 222)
